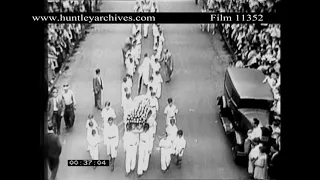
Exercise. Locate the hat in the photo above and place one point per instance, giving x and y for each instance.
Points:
(66, 86)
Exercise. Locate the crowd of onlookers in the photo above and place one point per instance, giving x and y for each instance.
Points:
(254, 46)
(242, 6)
(62, 38)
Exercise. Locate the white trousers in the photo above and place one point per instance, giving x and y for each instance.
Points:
(165, 158)
(158, 90)
(145, 30)
(131, 155)
(145, 76)
(94, 153)
(111, 149)
(143, 161)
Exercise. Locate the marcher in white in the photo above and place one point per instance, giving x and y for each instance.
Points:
(166, 150)
(135, 55)
(129, 82)
(154, 105)
(130, 66)
(111, 140)
(136, 7)
(130, 143)
(144, 150)
(107, 112)
(127, 105)
(94, 141)
(135, 28)
(170, 111)
(179, 146)
(159, 49)
(158, 82)
(90, 125)
(149, 92)
(156, 66)
(124, 85)
(144, 69)
(146, 8)
(150, 84)
(161, 37)
(172, 130)
(138, 44)
(156, 34)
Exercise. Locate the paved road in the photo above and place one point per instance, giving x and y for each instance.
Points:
(200, 61)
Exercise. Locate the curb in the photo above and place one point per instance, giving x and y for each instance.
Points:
(233, 56)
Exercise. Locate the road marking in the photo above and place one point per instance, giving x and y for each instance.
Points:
(191, 110)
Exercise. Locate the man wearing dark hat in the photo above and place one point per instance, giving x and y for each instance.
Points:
(70, 103)
(97, 88)
(53, 151)
(55, 110)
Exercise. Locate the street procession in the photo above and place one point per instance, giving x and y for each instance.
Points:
(173, 104)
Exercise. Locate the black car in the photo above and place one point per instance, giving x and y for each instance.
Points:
(245, 97)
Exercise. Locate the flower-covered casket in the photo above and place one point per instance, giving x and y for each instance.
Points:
(139, 114)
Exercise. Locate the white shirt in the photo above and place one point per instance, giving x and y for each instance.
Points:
(156, 66)
(179, 144)
(157, 79)
(172, 131)
(89, 129)
(171, 111)
(69, 98)
(155, 30)
(165, 145)
(107, 113)
(129, 140)
(127, 104)
(94, 140)
(255, 152)
(111, 133)
(154, 103)
(256, 132)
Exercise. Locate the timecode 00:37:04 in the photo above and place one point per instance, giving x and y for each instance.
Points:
(88, 162)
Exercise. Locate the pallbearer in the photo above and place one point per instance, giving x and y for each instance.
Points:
(179, 145)
(127, 105)
(144, 150)
(154, 104)
(130, 143)
(111, 139)
(166, 151)
(146, 8)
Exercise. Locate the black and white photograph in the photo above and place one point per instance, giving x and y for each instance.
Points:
(164, 101)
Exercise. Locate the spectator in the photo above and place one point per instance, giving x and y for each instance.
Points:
(63, 37)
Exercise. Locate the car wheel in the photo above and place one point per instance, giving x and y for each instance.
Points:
(235, 155)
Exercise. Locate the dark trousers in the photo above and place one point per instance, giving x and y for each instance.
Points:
(69, 116)
(53, 166)
(56, 122)
(97, 100)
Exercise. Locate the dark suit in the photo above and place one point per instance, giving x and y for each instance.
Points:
(55, 116)
(97, 88)
(53, 150)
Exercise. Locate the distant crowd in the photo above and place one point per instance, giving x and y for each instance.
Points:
(242, 6)
(62, 38)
